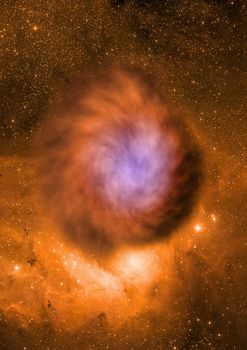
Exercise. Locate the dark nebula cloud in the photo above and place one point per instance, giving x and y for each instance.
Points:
(117, 164)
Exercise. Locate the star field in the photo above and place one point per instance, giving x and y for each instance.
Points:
(185, 293)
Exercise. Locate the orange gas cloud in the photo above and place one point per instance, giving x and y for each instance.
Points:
(118, 167)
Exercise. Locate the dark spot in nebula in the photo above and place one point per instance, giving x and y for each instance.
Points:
(117, 2)
(32, 261)
(102, 319)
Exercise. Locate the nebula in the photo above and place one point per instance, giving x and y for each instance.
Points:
(117, 165)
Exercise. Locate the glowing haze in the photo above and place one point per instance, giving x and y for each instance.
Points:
(118, 167)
